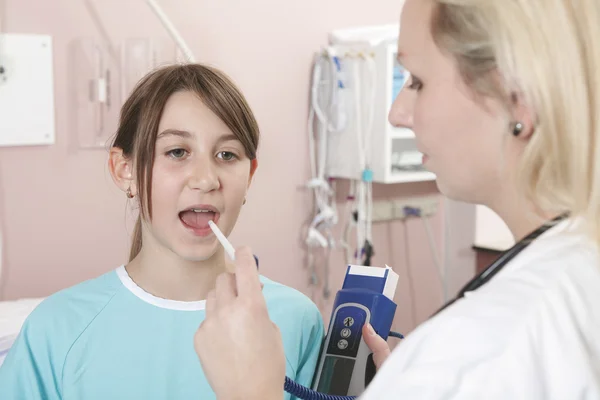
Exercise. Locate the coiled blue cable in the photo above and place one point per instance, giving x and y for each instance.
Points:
(304, 393)
(396, 335)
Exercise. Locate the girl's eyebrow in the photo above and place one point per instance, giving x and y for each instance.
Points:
(188, 135)
(227, 138)
(174, 132)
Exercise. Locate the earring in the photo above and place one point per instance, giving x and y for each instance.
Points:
(244, 201)
(128, 193)
(517, 129)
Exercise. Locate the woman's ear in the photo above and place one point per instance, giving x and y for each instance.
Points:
(524, 119)
(121, 170)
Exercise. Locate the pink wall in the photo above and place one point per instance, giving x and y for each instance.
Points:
(64, 221)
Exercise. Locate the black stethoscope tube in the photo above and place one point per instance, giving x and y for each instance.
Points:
(487, 274)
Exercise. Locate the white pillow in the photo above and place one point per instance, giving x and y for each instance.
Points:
(12, 316)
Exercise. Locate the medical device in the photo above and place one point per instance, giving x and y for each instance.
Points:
(355, 80)
(325, 117)
(346, 366)
(373, 78)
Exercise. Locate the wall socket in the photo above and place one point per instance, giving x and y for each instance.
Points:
(389, 210)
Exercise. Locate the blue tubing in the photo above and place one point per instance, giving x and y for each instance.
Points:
(305, 393)
(396, 335)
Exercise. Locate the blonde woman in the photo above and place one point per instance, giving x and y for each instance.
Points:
(504, 99)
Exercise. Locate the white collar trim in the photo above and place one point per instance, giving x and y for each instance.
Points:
(157, 301)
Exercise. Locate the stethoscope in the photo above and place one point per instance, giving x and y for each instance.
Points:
(487, 274)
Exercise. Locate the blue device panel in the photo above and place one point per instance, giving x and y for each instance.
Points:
(344, 367)
(346, 331)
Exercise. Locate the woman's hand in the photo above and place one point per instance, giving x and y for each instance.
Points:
(240, 348)
(378, 346)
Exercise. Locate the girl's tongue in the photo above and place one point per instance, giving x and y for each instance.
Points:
(197, 220)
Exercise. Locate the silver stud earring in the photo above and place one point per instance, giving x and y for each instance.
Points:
(517, 129)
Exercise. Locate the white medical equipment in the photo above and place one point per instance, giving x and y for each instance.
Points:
(373, 78)
(355, 81)
(325, 116)
(104, 73)
(26, 67)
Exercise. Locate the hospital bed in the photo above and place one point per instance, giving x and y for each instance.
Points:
(12, 317)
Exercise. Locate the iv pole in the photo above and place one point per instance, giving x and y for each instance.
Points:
(168, 25)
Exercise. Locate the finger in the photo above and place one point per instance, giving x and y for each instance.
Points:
(246, 274)
(378, 346)
(211, 303)
(225, 288)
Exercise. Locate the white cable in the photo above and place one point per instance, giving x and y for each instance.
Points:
(364, 117)
(360, 229)
(316, 148)
(322, 120)
(372, 71)
(369, 222)
(350, 223)
(168, 25)
(311, 142)
(360, 198)
(435, 255)
(358, 117)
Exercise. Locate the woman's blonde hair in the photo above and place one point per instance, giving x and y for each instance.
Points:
(549, 52)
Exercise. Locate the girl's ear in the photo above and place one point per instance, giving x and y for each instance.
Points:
(253, 166)
(121, 170)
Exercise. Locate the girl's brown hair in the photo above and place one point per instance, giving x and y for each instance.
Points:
(141, 114)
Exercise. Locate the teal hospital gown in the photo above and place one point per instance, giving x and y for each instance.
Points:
(107, 338)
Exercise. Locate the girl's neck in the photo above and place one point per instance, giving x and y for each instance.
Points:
(164, 274)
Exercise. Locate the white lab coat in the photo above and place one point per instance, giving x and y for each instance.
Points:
(532, 332)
